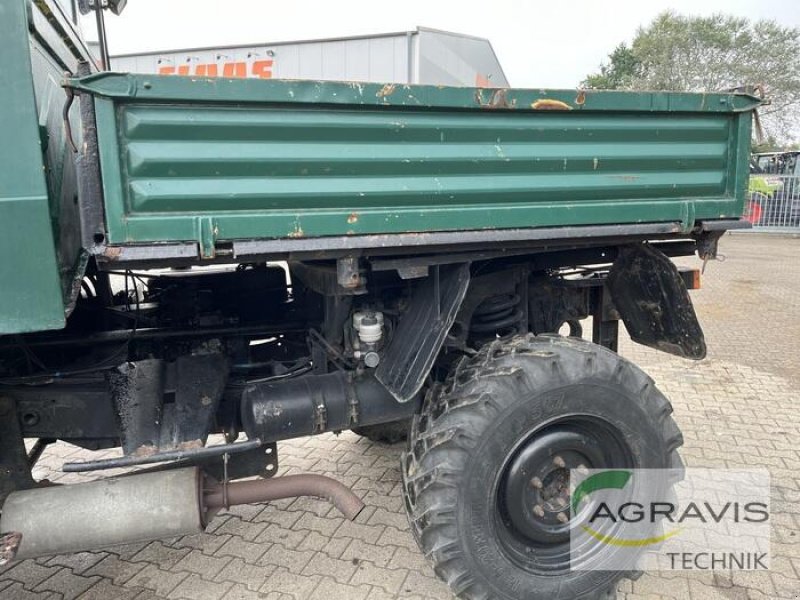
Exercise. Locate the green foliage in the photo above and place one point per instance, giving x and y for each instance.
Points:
(767, 145)
(621, 70)
(719, 52)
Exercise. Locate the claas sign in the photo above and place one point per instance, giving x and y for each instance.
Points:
(261, 69)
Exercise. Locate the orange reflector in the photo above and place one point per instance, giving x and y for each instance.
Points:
(694, 279)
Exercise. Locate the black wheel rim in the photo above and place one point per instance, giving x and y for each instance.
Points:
(532, 516)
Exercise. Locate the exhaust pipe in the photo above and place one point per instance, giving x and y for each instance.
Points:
(288, 486)
(143, 507)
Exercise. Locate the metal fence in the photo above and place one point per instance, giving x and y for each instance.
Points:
(774, 203)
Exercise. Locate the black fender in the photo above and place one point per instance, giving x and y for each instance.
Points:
(652, 300)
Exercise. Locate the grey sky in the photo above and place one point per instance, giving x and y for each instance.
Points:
(543, 43)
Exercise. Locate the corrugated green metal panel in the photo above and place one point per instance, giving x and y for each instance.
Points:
(30, 280)
(287, 169)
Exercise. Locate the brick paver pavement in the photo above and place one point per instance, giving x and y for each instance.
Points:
(737, 408)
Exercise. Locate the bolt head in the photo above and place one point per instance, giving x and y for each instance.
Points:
(538, 510)
(536, 483)
(559, 462)
(562, 517)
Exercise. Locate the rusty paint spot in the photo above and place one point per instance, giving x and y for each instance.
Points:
(145, 450)
(498, 99)
(112, 252)
(190, 445)
(550, 104)
(353, 218)
(386, 90)
(580, 100)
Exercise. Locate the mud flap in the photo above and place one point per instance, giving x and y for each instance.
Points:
(422, 330)
(653, 302)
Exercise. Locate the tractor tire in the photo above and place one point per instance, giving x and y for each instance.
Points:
(386, 433)
(501, 416)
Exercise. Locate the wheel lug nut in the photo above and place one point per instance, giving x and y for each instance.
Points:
(538, 511)
(559, 462)
(536, 483)
(582, 469)
(562, 518)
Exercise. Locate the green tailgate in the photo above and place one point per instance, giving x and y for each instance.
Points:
(186, 159)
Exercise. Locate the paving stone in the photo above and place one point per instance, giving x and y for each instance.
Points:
(288, 583)
(334, 546)
(115, 570)
(390, 580)
(699, 590)
(16, 592)
(149, 595)
(106, 590)
(403, 558)
(288, 538)
(328, 589)
(248, 551)
(324, 565)
(30, 573)
(651, 584)
(128, 551)
(394, 537)
(381, 516)
(67, 584)
(359, 531)
(282, 517)
(315, 506)
(244, 529)
(197, 588)
(293, 560)
(359, 550)
(157, 553)
(208, 543)
(325, 526)
(422, 585)
(391, 503)
(251, 576)
(377, 593)
(78, 562)
(246, 512)
(241, 592)
(153, 578)
(202, 564)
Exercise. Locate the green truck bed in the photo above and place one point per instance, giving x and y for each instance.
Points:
(193, 169)
(213, 160)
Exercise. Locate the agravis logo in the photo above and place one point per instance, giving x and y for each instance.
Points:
(612, 480)
(719, 515)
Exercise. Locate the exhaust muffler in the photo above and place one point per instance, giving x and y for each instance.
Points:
(144, 507)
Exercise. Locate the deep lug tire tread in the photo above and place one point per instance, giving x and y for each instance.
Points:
(455, 413)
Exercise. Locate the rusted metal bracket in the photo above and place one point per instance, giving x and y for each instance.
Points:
(9, 543)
